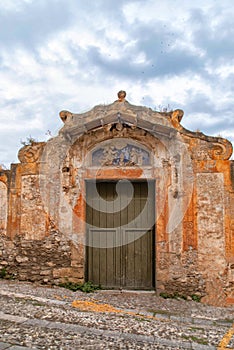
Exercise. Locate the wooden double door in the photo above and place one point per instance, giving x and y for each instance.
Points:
(120, 218)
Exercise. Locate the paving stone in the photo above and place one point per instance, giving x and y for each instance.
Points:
(12, 318)
(202, 347)
(4, 346)
(16, 347)
(29, 316)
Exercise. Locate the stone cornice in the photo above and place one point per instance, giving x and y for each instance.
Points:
(162, 123)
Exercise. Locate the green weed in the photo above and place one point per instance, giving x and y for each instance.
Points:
(196, 298)
(87, 287)
(176, 295)
(3, 273)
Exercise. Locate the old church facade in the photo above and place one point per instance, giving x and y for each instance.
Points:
(125, 197)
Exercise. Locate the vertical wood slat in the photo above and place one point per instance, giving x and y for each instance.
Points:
(118, 259)
(146, 264)
(89, 251)
(110, 280)
(96, 235)
(102, 238)
(130, 247)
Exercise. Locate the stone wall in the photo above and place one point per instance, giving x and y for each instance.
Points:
(45, 261)
(33, 222)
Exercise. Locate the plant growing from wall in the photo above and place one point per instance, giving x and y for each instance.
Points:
(29, 141)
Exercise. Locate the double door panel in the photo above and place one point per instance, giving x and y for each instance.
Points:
(120, 234)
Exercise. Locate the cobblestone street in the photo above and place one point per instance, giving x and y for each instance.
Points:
(41, 317)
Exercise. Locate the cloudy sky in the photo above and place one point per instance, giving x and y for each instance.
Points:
(74, 54)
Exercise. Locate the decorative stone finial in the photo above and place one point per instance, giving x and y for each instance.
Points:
(65, 115)
(121, 95)
(177, 115)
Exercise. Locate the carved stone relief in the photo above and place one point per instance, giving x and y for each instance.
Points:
(30, 153)
(120, 153)
(212, 150)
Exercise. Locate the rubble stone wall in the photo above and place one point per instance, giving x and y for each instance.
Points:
(44, 261)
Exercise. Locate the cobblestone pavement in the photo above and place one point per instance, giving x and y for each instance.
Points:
(41, 317)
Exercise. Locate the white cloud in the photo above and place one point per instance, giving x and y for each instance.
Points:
(13, 5)
(175, 12)
(70, 54)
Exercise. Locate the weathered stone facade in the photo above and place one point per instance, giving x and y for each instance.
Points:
(43, 220)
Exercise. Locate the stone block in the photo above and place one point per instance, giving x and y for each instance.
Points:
(45, 273)
(62, 272)
(21, 259)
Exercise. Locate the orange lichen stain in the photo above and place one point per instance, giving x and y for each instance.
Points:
(115, 173)
(226, 339)
(79, 207)
(91, 306)
(97, 307)
(230, 301)
(3, 177)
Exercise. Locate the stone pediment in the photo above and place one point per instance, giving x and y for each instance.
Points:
(116, 113)
(163, 124)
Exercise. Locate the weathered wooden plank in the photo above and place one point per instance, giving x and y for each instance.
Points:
(118, 258)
